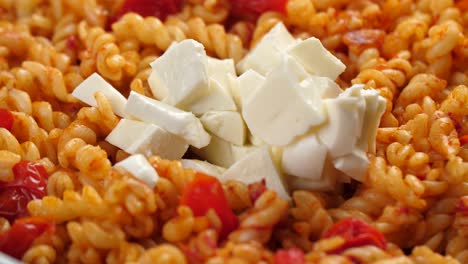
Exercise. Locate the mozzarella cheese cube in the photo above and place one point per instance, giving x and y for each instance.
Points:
(249, 82)
(175, 121)
(375, 108)
(268, 52)
(138, 137)
(226, 125)
(220, 70)
(222, 153)
(203, 167)
(298, 183)
(354, 165)
(255, 167)
(321, 87)
(95, 83)
(139, 167)
(254, 140)
(234, 88)
(216, 100)
(317, 59)
(277, 112)
(340, 133)
(360, 105)
(305, 158)
(327, 181)
(180, 76)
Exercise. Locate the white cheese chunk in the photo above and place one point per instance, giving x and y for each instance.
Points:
(297, 183)
(249, 82)
(317, 59)
(255, 167)
(138, 137)
(375, 108)
(203, 167)
(180, 76)
(226, 125)
(354, 165)
(234, 88)
(139, 167)
(219, 70)
(327, 181)
(176, 121)
(95, 83)
(340, 133)
(269, 51)
(360, 105)
(305, 158)
(277, 112)
(256, 141)
(222, 153)
(321, 87)
(217, 99)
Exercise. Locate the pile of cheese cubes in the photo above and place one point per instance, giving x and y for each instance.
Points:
(283, 120)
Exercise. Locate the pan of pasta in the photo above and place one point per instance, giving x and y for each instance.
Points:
(234, 131)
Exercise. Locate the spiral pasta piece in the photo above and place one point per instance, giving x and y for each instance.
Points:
(267, 211)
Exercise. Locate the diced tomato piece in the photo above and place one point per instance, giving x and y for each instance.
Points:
(17, 240)
(362, 39)
(355, 233)
(289, 256)
(72, 43)
(6, 119)
(251, 9)
(206, 192)
(157, 8)
(462, 5)
(463, 140)
(462, 205)
(30, 183)
(256, 189)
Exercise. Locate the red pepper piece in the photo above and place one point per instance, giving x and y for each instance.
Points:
(355, 233)
(206, 192)
(17, 240)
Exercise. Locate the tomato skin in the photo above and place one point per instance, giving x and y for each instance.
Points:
(251, 9)
(289, 256)
(158, 8)
(463, 140)
(256, 190)
(17, 240)
(206, 192)
(6, 119)
(30, 183)
(355, 233)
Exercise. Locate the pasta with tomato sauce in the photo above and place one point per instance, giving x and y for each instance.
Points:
(63, 201)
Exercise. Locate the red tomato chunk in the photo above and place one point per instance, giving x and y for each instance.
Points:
(6, 119)
(30, 183)
(251, 9)
(205, 193)
(463, 140)
(356, 233)
(17, 240)
(158, 8)
(287, 256)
